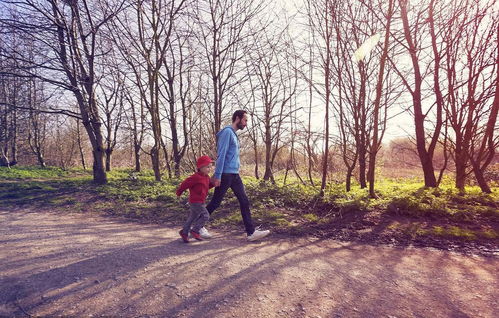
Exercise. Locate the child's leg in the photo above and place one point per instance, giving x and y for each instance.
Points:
(203, 217)
(193, 216)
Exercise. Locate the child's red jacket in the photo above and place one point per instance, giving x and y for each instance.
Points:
(198, 185)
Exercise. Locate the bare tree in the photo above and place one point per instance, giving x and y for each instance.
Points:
(80, 145)
(274, 64)
(469, 29)
(413, 33)
(135, 119)
(143, 39)
(178, 80)
(112, 107)
(323, 14)
(376, 141)
(223, 28)
(352, 80)
(37, 132)
(68, 31)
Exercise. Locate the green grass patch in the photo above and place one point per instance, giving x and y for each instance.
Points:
(31, 172)
(311, 217)
(414, 229)
(445, 202)
(453, 231)
(232, 218)
(281, 205)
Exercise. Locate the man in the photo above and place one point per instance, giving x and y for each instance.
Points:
(227, 175)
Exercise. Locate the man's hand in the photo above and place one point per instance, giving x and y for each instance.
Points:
(215, 182)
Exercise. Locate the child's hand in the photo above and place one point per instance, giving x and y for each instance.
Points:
(214, 181)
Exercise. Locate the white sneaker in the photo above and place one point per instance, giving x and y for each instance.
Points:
(204, 233)
(258, 235)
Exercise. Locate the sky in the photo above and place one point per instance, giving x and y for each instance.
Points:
(398, 127)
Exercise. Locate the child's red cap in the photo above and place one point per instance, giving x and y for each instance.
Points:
(203, 161)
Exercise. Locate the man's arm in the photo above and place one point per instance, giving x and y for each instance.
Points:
(223, 146)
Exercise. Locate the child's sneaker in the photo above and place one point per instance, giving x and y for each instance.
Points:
(184, 237)
(196, 235)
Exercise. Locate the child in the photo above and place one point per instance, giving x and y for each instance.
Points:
(198, 185)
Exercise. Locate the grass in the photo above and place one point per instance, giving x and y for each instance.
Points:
(24, 173)
(414, 229)
(281, 206)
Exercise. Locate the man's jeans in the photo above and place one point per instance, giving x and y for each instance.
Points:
(233, 181)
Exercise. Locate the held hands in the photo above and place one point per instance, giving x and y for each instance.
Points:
(215, 181)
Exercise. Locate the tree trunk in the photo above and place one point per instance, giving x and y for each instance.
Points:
(14, 138)
(108, 159)
(41, 160)
(328, 93)
(482, 183)
(156, 127)
(155, 163)
(362, 164)
(98, 167)
(4, 159)
(99, 172)
(137, 157)
(425, 156)
(167, 159)
(348, 181)
(268, 148)
(255, 149)
(309, 128)
(361, 126)
(80, 147)
(461, 160)
(379, 85)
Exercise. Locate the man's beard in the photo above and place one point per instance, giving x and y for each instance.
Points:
(240, 126)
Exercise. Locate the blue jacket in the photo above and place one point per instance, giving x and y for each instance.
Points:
(227, 152)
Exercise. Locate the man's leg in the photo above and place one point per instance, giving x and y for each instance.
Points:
(237, 187)
(219, 193)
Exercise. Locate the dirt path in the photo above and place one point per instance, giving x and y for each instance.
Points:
(81, 265)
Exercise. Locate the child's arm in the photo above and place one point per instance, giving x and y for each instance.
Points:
(186, 184)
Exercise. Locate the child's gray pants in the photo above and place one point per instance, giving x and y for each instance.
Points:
(198, 217)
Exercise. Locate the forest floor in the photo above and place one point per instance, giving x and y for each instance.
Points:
(56, 262)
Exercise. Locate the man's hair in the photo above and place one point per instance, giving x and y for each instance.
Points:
(238, 114)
